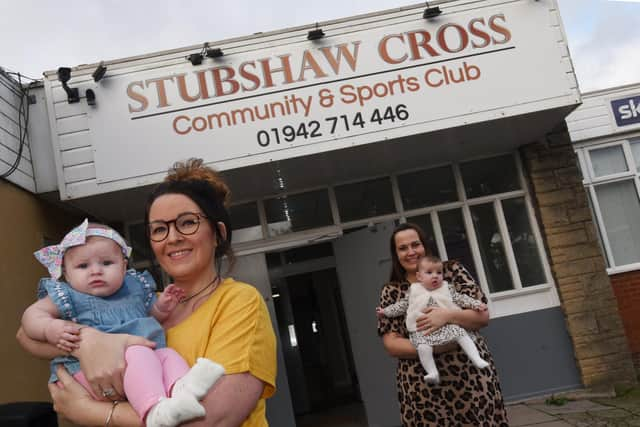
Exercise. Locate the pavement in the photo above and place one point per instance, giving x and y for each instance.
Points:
(582, 411)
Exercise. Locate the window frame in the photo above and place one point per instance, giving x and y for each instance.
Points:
(537, 296)
(590, 182)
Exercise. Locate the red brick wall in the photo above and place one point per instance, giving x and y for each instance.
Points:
(626, 287)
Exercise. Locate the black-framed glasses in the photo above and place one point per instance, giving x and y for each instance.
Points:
(186, 223)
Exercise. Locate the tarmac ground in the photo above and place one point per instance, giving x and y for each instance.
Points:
(601, 410)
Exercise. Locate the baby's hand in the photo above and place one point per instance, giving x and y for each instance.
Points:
(380, 312)
(170, 298)
(482, 307)
(174, 292)
(64, 336)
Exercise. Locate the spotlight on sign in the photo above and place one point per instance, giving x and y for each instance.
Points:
(315, 34)
(195, 58)
(215, 52)
(98, 74)
(431, 12)
(64, 75)
(91, 97)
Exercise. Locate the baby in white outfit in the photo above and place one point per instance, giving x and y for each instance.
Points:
(430, 292)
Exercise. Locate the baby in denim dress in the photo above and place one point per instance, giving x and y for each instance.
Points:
(98, 291)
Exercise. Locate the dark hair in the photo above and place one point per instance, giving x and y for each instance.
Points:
(207, 190)
(398, 273)
(431, 259)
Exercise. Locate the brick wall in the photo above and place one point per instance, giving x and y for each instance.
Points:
(590, 306)
(626, 287)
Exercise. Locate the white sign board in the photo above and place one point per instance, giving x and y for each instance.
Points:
(313, 96)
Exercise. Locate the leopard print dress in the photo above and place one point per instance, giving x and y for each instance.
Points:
(465, 396)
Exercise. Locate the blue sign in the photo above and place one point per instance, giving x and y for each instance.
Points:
(626, 110)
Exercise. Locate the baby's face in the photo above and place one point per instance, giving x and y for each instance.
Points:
(96, 268)
(430, 274)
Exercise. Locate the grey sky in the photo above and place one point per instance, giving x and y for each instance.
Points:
(40, 35)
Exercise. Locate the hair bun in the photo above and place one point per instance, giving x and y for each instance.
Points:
(193, 169)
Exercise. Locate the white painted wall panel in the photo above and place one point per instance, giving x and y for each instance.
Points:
(587, 112)
(590, 133)
(594, 118)
(64, 109)
(9, 156)
(9, 93)
(77, 156)
(8, 124)
(72, 124)
(10, 97)
(82, 172)
(593, 122)
(75, 140)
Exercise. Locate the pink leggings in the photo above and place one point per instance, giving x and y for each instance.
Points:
(149, 375)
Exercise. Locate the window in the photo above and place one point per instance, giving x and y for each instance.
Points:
(611, 178)
(497, 225)
(365, 199)
(298, 212)
(417, 193)
(245, 222)
(490, 176)
(476, 212)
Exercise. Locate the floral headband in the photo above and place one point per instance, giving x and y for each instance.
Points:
(51, 256)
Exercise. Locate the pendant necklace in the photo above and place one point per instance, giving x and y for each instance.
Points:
(215, 280)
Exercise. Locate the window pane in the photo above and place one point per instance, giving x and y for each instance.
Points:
(490, 176)
(424, 221)
(620, 210)
(427, 188)
(525, 246)
(635, 149)
(365, 199)
(298, 212)
(491, 248)
(608, 160)
(455, 238)
(245, 222)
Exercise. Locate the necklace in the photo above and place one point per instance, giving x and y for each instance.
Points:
(185, 299)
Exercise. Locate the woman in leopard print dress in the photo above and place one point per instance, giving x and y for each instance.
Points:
(465, 396)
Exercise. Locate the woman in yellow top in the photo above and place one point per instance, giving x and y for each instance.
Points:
(220, 318)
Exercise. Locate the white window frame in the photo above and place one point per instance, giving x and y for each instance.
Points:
(590, 182)
(514, 301)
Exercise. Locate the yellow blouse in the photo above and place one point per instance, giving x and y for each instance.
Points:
(232, 328)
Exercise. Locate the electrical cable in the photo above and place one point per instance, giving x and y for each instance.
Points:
(23, 112)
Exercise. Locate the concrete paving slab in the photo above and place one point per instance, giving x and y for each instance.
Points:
(570, 407)
(522, 415)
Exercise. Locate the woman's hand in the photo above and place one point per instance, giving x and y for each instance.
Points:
(102, 360)
(70, 399)
(73, 402)
(433, 319)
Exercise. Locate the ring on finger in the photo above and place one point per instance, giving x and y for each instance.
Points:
(108, 392)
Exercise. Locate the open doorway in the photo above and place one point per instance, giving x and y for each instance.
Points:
(314, 337)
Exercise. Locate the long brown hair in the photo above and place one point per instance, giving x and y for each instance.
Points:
(398, 273)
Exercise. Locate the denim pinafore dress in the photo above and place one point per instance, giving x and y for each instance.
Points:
(126, 311)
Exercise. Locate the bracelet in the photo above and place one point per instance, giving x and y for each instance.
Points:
(113, 408)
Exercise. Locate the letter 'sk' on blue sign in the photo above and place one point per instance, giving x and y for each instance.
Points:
(626, 110)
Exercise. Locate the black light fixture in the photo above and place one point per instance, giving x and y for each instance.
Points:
(98, 74)
(91, 97)
(195, 58)
(431, 12)
(64, 75)
(316, 34)
(215, 52)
